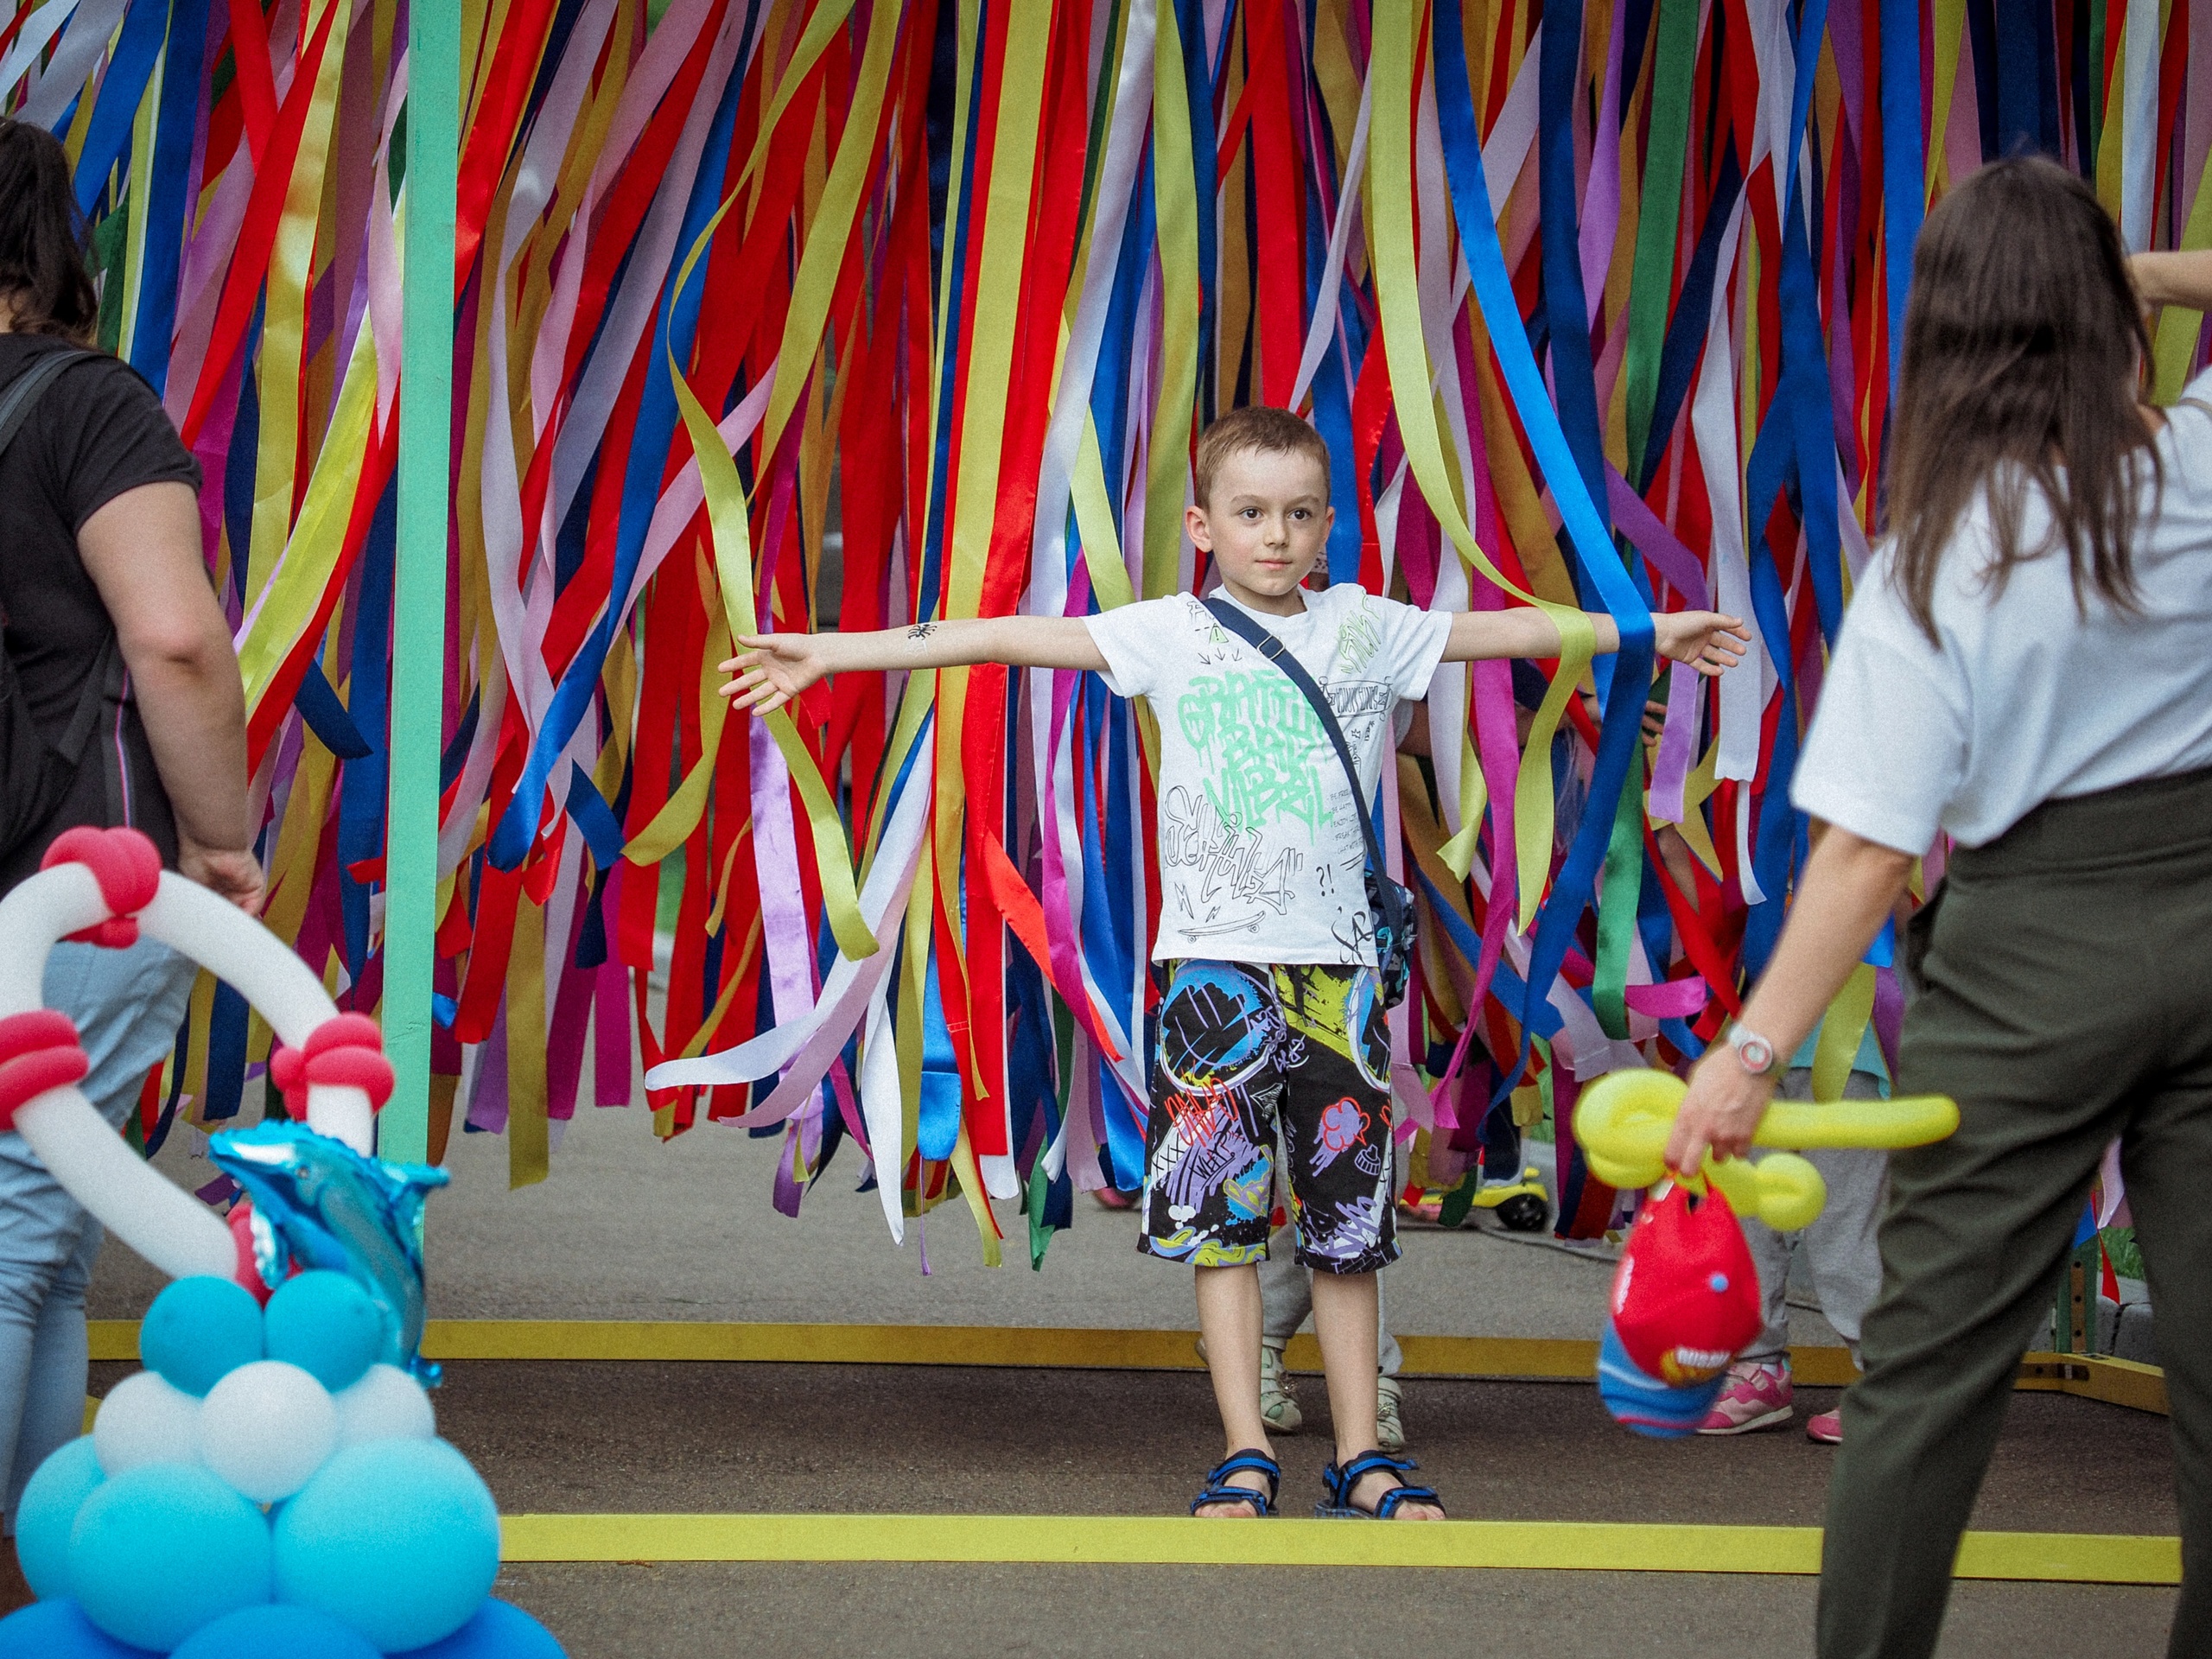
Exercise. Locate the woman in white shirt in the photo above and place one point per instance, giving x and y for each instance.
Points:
(2026, 667)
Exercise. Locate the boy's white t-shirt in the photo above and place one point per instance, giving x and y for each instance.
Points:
(1260, 856)
(2030, 697)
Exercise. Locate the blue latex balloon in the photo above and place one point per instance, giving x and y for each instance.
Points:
(199, 1330)
(328, 1326)
(47, 1510)
(318, 1202)
(160, 1550)
(499, 1631)
(275, 1630)
(58, 1629)
(399, 1539)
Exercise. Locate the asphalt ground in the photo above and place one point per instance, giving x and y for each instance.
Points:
(651, 1437)
(628, 1228)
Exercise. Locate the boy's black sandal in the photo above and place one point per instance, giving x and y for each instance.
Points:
(1341, 1482)
(1218, 1490)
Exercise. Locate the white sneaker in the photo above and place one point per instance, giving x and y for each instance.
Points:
(1389, 1420)
(1278, 1406)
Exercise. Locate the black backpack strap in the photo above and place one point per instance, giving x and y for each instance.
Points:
(1262, 639)
(27, 388)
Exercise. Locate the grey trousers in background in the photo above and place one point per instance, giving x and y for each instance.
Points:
(127, 1005)
(1286, 1302)
(1838, 1249)
(2063, 973)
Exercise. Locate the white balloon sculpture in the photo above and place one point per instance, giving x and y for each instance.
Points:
(289, 1442)
(172, 1229)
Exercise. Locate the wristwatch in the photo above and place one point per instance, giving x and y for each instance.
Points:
(1753, 1053)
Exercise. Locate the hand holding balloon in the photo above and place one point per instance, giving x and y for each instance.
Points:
(1624, 1120)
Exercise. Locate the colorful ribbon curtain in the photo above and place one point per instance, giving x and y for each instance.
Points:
(799, 313)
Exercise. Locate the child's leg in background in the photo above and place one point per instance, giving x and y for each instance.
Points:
(1286, 1301)
(1771, 1252)
(1501, 1139)
(1758, 1392)
(1839, 1247)
(1287, 1294)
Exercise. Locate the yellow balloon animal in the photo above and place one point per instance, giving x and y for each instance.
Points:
(1624, 1121)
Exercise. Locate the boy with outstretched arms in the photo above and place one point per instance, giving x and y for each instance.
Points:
(1271, 1014)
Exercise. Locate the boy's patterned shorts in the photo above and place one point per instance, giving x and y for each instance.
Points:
(1244, 1050)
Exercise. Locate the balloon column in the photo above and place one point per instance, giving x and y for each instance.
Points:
(272, 1483)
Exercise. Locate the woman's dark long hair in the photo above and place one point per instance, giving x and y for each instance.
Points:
(42, 274)
(2023, 355)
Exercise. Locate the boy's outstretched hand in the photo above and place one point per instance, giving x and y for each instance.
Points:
(1707, 641)
(772, 668)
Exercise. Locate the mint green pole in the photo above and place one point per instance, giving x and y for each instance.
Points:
(419, 611)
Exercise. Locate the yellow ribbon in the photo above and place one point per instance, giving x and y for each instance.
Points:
(292, 591)
(1842, 1029)
(283, 334)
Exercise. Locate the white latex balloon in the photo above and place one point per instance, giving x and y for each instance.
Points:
(266, 1427)
(386, 1404)
(145, 1419)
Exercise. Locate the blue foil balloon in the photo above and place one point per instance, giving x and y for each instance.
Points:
(499, 1631)
(58, 1629)
(318, 1203)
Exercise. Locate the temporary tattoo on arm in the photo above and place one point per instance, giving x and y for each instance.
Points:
(920, 631)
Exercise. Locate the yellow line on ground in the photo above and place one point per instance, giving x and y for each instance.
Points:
(1147, 1540)
(1078, 1348)
(2115, 1382)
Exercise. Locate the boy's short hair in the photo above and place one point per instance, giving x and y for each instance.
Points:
(1254, 429)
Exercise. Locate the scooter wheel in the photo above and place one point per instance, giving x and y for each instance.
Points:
(1524, 1212)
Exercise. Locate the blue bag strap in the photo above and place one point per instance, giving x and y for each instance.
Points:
(1257, 635)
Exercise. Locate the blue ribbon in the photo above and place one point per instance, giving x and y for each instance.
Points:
(1571, 480)
(167, 205)
(122, 88)
(1903, 167)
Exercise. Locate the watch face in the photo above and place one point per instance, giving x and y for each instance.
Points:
(1756, 1054)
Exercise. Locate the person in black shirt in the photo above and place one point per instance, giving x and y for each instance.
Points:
(100, 540)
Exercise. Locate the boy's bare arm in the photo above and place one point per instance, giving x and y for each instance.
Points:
(773, 668)
(1707, 641)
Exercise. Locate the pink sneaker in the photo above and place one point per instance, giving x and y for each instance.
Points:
(1827, 1427)
(1756, 1395)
